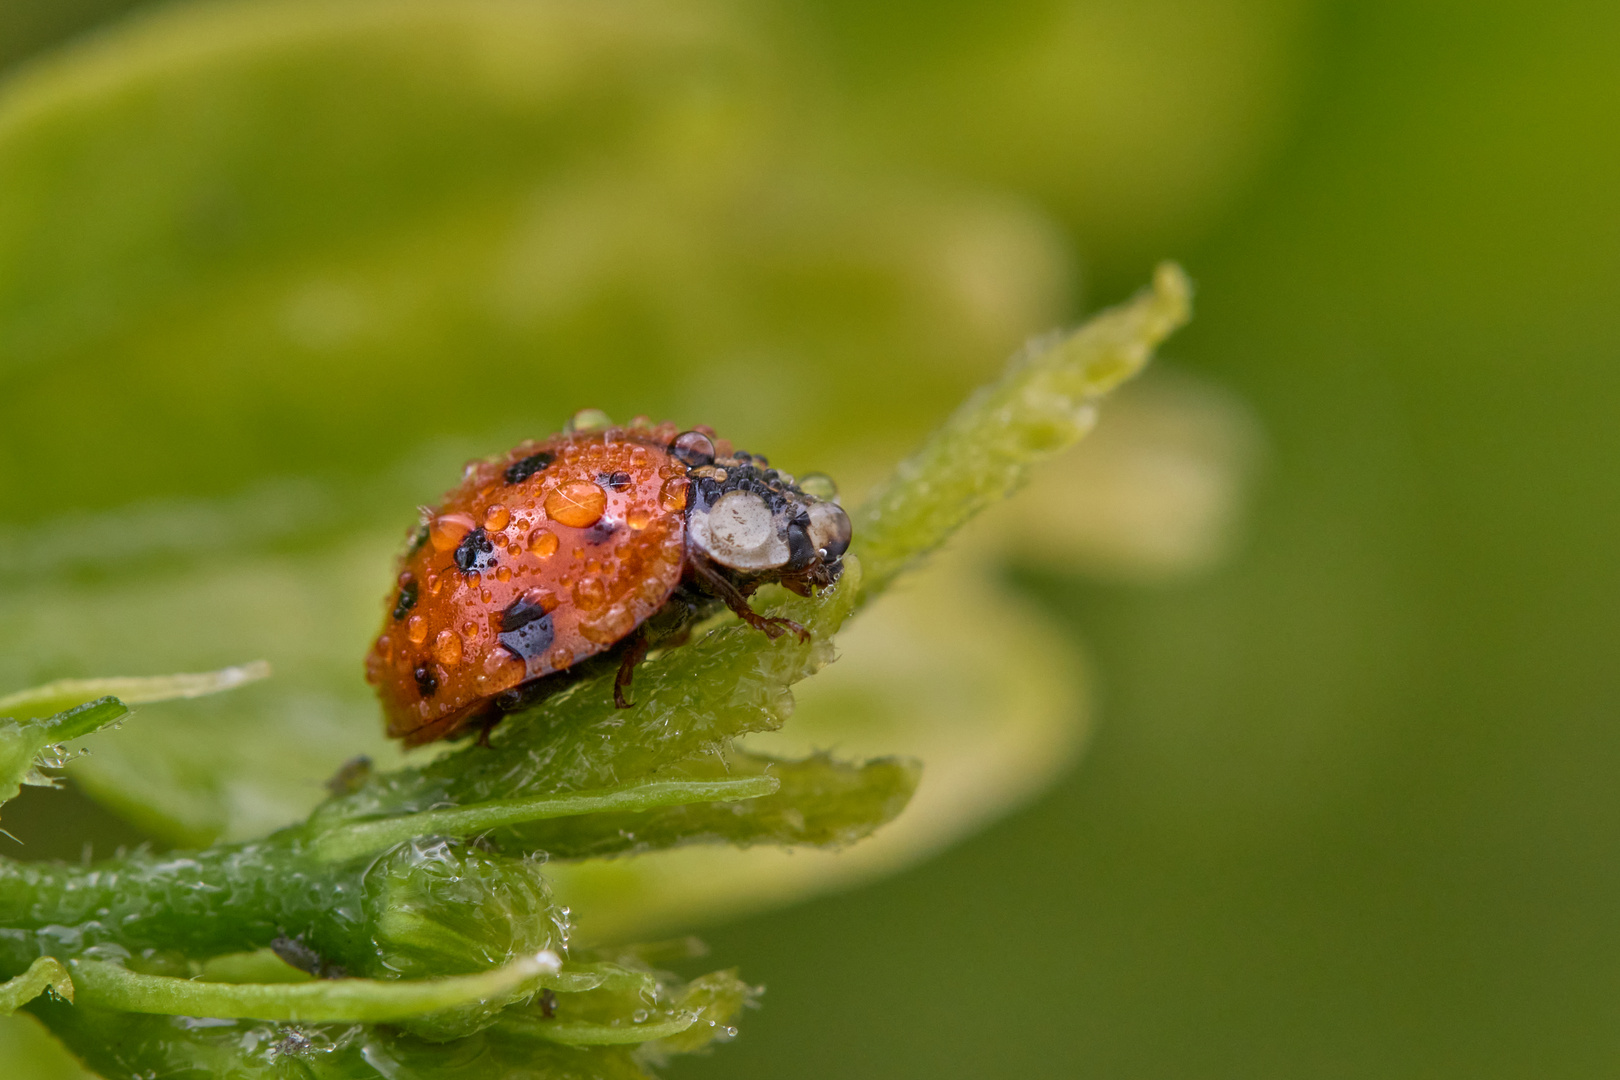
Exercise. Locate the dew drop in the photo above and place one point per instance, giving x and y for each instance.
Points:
(590, 593)
(449, 530)
(543, 542)
(503, 574)
(819, 486)
(638, 518)
(588, 420)
(416, 629)
(694, 448)
(673, 495)
(610, 626)
(447, 648)
(560, 657)
(578, 504)
(496, 517)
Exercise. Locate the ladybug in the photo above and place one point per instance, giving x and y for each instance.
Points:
(582, 551)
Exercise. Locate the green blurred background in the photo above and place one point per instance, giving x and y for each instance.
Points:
(1350, 806)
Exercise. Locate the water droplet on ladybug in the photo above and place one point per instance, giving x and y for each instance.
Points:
(416, 629)
(693, 448)
(543, 542)
(830, 529)
(672, 496)
(638, 518)
(447, 648)
(610, 626)
(578, 504)
(449, 530)
(590, 593)
(496, 517)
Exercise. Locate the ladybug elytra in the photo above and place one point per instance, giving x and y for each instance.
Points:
(584, 550)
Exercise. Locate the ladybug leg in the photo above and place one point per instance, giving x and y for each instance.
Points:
(486, 724)
(771, 626)
(635, 652)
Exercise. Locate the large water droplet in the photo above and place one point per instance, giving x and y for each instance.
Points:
(578, 504)
(588, 420)
(819, 486)
(448, 530)
(693, 448)
(672, 496)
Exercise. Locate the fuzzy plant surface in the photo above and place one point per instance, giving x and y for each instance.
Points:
(408, 927)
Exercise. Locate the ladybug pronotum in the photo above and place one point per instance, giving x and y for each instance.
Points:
(585, 550)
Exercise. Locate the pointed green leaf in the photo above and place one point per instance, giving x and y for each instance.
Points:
(43, 974)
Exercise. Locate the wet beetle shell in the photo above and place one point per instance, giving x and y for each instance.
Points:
(541, 558)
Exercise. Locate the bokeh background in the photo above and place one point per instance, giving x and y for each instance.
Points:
(1349, 808)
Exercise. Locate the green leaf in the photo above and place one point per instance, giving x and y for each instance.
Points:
(819, 802)
(23, 743)
(43, 974)
(141, 690)
(111, 986)
(1043, 404)
(352, 841)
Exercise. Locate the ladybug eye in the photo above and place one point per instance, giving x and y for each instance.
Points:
(801, 550)
(693, 448)
(739, 531)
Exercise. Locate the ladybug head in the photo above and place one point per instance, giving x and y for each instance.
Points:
(762, 524)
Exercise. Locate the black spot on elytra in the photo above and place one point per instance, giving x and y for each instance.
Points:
(407, 599)
(601, 530)
(475, 552)
(528, 640)
(427, 684)
(521, 470)
(521, 612)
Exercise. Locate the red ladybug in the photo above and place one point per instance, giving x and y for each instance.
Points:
(583, 550)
